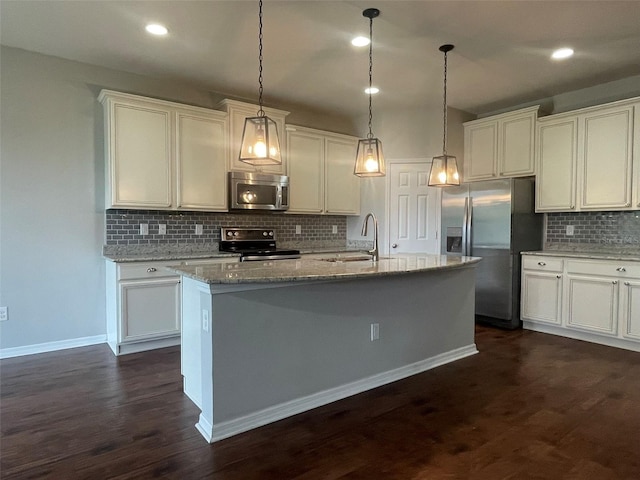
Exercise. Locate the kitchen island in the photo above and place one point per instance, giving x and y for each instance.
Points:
(262, 341)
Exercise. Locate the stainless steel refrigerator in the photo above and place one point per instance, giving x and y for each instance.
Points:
(494, 220)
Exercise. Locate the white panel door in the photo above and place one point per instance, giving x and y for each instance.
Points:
(414, 209)
(541, 297)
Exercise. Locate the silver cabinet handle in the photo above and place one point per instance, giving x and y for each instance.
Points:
(615, 282)
(627, 283)
(395, 245)
(621, 269)
(542, 264)
(151, 269)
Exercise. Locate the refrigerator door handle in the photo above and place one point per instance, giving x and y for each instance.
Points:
(464, 227)
(469, 226)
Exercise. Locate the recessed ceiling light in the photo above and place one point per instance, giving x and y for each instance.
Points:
(372, 90)
(562, 53)
(360, 42)
(156, 29)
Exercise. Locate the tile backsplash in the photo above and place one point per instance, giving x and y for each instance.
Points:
(611, 229)
(123, 227)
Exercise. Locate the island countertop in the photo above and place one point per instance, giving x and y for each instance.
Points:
(325, 267)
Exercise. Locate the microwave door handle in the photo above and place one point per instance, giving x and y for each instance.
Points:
(279, 197)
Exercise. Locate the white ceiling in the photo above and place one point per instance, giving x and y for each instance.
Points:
(501, 56)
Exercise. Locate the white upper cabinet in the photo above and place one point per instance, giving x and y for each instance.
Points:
(237, 112)
(500, 146)
(586, 159)
(557, 154)
(321, 172)
(163, 155)
(139, 153)
(201, 161)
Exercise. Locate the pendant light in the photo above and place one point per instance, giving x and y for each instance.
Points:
(260, 144)
(444, 168)
(369, 158)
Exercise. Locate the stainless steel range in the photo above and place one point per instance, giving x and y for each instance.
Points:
(254, 244)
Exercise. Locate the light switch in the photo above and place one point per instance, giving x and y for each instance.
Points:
(144, 229)
(334, 229)
(569, 230)
(198, 229)
(162, 229)
(298, 229)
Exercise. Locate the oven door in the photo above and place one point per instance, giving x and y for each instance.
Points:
(257, 193)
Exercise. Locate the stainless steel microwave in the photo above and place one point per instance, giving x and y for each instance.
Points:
(258, 191)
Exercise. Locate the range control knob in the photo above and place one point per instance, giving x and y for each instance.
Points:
(271, 234)
(265, 233)
(229, 234)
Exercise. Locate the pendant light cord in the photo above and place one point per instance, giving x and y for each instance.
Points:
(370, 134)
(444, 108)
(261, 111)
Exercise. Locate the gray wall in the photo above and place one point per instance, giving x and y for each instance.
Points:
(52, 220)
(603, 229)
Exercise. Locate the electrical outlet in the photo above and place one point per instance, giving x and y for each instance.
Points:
(298, 229)
(144, 229)
(4, 314)
(162, 229)
(334, 229)
(198, 229)
(375, 331)
(569, 230)
(205, 320)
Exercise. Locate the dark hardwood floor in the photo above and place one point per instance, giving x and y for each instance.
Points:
(528, 406)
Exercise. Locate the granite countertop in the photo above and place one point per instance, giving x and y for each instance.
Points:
(305, 269)
(590, 254)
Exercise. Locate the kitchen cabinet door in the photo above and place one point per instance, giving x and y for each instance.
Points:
(636, 157)
(480, 151)
(139, 153)
(556, 164)
(516, 148)
(306, 158)
(201, 161)
(342, 187)
(541, 297)
(150, 308)
(606, 153)
(592, 304)
(238, 111)
(630, 309)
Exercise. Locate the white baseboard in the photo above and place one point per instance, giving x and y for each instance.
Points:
(229, 428)
(51, 346)
(632, 345)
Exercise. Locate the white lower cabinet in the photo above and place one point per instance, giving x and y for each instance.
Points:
(587, 299)
(144, 304)
(541, 289)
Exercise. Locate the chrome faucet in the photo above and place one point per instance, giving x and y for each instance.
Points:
(374, 253)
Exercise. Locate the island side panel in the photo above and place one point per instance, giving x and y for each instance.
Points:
(282, 344)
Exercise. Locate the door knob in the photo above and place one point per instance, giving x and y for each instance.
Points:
(395, 245)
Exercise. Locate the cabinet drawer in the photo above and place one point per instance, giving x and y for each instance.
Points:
(547, 264)
(607, 268)
(144, 270)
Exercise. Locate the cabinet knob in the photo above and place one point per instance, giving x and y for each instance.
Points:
(558, 276)
(615, 282)
(395, 245)
(151, 269)
(621, 269)
(627, 283)
(628, 204)
(542, 264)
(572, 207)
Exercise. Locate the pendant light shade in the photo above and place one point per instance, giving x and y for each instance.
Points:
(444, 168)
(369, 157)
(260, 144)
